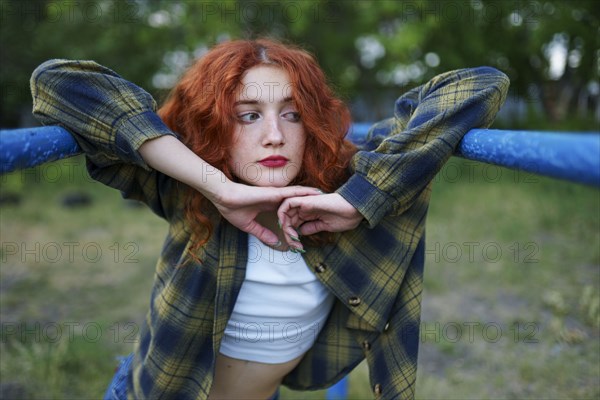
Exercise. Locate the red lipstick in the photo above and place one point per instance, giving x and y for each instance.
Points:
(273, 161)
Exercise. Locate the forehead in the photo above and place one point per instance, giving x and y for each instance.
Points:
(265, 83)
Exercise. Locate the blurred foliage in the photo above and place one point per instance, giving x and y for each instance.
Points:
(371, 50)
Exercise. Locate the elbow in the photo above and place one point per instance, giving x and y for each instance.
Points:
(495, 78)
(43, 69)
(38, 76)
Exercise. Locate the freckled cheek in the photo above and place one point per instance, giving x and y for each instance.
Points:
(298, 159)
(238, 157)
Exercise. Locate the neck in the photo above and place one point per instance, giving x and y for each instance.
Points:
(269, 220)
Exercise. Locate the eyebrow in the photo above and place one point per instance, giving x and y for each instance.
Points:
(242, 102)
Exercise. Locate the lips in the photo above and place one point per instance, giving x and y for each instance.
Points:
(273, 161)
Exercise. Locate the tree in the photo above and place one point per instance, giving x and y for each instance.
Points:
(371, 50)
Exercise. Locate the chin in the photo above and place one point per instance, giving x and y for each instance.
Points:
(273, 184)
(265, 183)
(267, 177)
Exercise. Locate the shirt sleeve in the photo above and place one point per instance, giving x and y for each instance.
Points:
(404, 153)
(110, 118)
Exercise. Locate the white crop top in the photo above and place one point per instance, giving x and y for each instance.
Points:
(280, 309)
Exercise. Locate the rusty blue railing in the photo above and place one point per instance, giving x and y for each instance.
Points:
(571, 156)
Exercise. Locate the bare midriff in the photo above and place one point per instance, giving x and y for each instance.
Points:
(241, 379)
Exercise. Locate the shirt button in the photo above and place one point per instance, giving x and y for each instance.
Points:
(377, 389)
(354, 301)
(366, 345)
(320, 268)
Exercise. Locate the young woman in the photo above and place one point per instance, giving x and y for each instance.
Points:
(291, 256)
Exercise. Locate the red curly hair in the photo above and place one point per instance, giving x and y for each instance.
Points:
(200, 108)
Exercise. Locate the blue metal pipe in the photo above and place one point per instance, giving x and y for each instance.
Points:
(28, 147)
(572, 156)
(564, 155)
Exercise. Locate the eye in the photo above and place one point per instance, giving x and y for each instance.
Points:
(292, 116)
(248, 117)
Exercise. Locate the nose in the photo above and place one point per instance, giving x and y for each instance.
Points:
(273, 135)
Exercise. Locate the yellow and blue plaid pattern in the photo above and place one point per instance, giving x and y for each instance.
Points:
(375, 270)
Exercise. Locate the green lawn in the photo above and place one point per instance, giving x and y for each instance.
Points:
(511, 305)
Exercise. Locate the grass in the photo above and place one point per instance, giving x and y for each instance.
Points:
(521, 291)
(511, 295)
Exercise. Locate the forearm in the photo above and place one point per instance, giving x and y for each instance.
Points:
(428, 124)
(171, 157)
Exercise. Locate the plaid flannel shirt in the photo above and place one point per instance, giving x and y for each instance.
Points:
(375, 271)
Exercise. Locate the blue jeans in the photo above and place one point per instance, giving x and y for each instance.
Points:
(117, 390)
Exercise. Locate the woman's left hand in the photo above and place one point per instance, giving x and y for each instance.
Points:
(311, 214)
